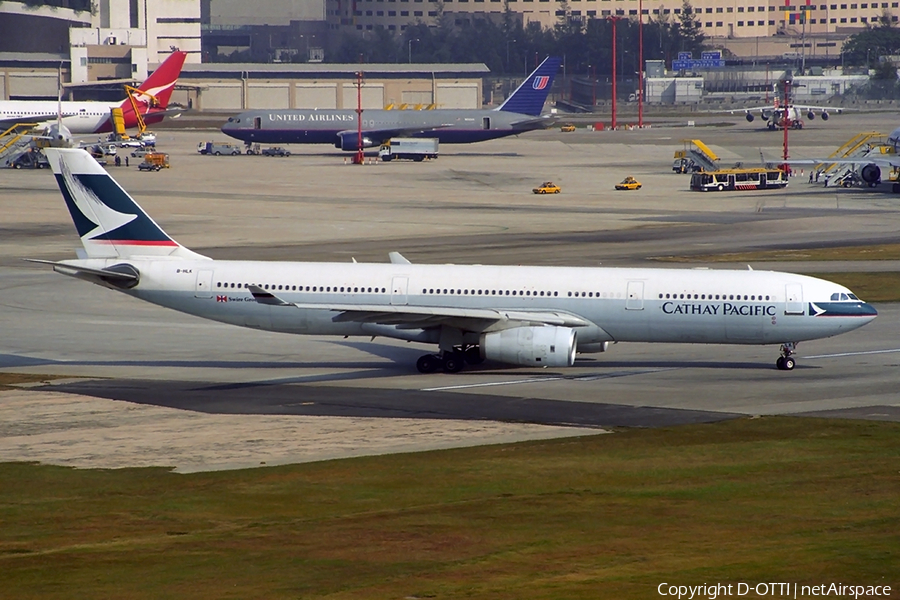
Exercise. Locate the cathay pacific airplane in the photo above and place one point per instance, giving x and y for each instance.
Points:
(532, 316)
(520, 112)
(95, 117)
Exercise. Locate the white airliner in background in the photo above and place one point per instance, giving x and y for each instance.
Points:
(94, 117)
(534, 316)
(870, 166)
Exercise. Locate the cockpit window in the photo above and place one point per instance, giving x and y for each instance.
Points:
(231, 119)
(841, 296)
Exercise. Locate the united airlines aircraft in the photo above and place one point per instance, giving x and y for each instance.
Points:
(520, 112)
(533, 316)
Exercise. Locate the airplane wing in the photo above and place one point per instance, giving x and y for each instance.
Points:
(836, 109)
(421, 317)
(882, 160)
(388, 133)
(11, 121)
(771, 108)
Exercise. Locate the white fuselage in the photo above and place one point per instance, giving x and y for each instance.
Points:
(619, 304)
(78, 117)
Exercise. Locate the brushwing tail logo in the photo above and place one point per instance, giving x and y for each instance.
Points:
(540, 82)
(91, 207)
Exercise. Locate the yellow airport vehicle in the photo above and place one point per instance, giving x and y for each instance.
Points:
(629, 183)
(548, 187)
(567, 128)
(154, 161)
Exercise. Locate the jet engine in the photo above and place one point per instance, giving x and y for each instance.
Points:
(811, 115)
(349, 140)
(766, 115)
(545, 346)
(824, 116)
(749, 117)
(871, 174)
(58, 135)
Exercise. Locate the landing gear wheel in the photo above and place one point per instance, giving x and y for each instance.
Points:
(428, 363)
(453, 362)
(786, 361)
(473, 356)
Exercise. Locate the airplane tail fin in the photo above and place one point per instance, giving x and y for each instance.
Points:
(160, 85)
(529, 98)
(109, 221)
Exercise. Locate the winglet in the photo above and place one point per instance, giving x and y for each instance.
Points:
(398, 259)
(266, 297)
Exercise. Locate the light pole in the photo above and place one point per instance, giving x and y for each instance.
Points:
(640, 97)
(613, 20)
(409, 49)
(508, 42)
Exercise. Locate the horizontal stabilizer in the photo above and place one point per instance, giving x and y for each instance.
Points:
(123, 276)
(266, 297)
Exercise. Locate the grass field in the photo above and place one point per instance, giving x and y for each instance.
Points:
(610, 516)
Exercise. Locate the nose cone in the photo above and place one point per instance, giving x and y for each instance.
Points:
(866, 312)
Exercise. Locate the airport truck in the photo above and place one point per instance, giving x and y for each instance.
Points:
(417, 149)
(217, 148)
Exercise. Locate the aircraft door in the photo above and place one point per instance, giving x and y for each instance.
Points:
(399, 291)
(203, 287)
(634, 297)
(257, 122)
(793, 299)
(485, 122)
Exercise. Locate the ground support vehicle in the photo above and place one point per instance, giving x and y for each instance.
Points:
(276, 151)
(154, 161)
(739, 179)
(218, 148)
(417, 149)
(548, 187)
(629, 183)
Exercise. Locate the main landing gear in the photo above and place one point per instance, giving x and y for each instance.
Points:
(786, 361)
(450, 362)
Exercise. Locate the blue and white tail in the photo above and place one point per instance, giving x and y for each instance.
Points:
(109, 221)
(529, 98)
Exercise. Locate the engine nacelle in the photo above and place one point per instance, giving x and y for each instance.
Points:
(824, 116)
(593, 348)
(749, 117)
(870, 173)
(531, 346)
(350, 141)
(59, 135)
(810, 115)
(766, 115)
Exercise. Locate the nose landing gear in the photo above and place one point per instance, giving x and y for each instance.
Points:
(786, 361)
